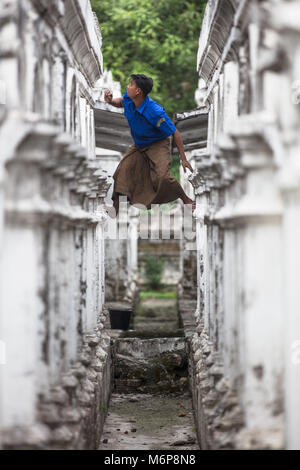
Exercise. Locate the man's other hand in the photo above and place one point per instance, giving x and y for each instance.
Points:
(108, 96)
(186, 164)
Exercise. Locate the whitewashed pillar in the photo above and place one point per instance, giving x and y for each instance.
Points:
(259, 212)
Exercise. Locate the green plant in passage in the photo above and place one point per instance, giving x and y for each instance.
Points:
(153, 270)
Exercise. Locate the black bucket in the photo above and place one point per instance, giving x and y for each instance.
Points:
(120, 318)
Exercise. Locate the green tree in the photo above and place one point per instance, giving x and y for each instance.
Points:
(157, 38)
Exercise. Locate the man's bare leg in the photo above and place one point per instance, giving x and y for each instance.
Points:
(187, 200)
(114, 209)
(117, 204)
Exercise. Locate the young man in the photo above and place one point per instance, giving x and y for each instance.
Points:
(143, 173)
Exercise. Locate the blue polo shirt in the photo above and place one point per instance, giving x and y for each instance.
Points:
(148, 123)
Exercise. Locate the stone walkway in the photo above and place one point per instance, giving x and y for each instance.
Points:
(151, 405)
(149, 422)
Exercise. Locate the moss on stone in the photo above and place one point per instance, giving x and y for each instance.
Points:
(155, 413)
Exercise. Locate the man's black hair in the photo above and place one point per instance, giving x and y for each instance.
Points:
(143, 82)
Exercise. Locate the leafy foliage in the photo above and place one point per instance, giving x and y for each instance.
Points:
(157, 38)
(153, 270)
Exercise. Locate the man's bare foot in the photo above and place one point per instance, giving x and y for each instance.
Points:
(191, 204)
(111, 211)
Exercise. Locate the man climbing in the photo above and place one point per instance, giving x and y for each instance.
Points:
(143, 173)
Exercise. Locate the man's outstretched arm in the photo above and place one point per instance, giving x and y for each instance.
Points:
(117, 102)
(179, 144)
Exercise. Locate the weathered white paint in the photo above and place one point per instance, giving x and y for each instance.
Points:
(247, 190)
(52, 188)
